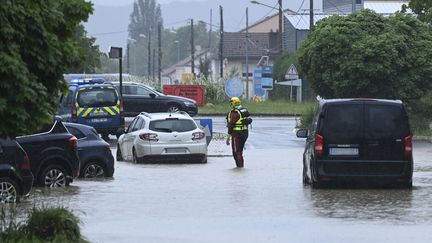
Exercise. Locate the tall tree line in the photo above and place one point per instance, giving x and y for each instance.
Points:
(143, 27)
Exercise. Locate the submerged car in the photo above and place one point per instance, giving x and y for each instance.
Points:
(94, 153)
(358, 140)
(163, 137)
(16, 178)
(53, 155)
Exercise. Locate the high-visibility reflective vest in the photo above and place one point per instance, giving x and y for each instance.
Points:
(239, 125)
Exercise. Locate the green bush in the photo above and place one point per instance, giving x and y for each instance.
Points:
(306, 118)
(42, 225)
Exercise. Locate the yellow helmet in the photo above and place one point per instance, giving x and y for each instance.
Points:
(234, 102)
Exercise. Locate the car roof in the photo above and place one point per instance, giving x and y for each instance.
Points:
(350, 100)
(163, 115)
(74, 86)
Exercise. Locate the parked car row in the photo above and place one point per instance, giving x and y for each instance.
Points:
(99, 104)
(52, 157)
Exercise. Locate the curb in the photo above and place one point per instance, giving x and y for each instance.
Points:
(423, 138)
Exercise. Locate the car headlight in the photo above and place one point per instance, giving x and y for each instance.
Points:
(189, 103)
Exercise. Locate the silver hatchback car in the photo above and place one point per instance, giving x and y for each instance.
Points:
(163, 137)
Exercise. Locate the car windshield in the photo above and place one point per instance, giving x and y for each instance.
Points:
(172, 125)
(97, 97)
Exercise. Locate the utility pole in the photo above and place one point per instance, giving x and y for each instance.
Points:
(280, 25)
(210, 31)
(153, 65)
(247, 54)
(311, 16)
(353, 6)
(128, 57)
(192, 50)
(149, 55)
(160, 55)
(221, 41)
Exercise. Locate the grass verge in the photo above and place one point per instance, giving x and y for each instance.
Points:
(277, 108)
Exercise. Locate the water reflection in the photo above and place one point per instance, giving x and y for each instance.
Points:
(364, 205)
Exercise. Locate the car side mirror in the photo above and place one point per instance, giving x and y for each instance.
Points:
(302, 133)
(152, 95)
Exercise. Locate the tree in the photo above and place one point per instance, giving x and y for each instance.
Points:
(204, 67)
(36, 47)
(89, 52)
(143, 29)
(423, 9)
(368, 55)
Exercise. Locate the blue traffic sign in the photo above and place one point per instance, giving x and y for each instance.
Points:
(234, 87)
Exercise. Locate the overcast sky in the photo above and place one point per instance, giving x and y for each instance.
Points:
(292, 4)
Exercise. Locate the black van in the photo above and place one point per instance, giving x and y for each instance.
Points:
(358, 140)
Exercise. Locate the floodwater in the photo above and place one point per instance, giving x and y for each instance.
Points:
(264, 202)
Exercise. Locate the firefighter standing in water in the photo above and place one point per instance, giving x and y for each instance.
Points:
(237, 122)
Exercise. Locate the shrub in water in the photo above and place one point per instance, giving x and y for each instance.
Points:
(52, 224)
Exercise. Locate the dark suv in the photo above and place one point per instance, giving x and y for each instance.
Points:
(358, 140)
(16, 178)
(139, 98)
(53, 155)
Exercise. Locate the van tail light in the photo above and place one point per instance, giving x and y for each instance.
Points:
(149, 137)
(198, 135)
(25, 166)
(73, 141)
(408, 146)
(74, 112)
(121, 109)
(319, 144)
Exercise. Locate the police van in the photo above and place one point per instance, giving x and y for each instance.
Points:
(95, 103)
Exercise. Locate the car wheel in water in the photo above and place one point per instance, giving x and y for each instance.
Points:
(119, 155)
(134, 156)
(173, 108)
(53, 176)
(93, 170)
(306, 180)
(8, 191)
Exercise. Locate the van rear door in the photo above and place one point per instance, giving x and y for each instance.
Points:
(386, 127)
(342, 130)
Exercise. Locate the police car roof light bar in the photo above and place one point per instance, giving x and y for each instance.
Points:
(87, 81)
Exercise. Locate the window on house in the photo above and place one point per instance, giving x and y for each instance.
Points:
(358, 1)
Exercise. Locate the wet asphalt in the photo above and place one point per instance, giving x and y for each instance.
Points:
(263, 202)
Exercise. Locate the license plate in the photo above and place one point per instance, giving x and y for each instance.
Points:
(175, 150)
(99, 119)
(344, 151)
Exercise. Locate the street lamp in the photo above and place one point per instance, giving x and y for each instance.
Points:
(178, 50)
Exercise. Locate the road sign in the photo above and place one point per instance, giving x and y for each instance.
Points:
(291, 73)
(267, 80)
(258, 90)
(234, 87)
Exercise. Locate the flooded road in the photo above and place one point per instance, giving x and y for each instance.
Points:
(264, 202)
